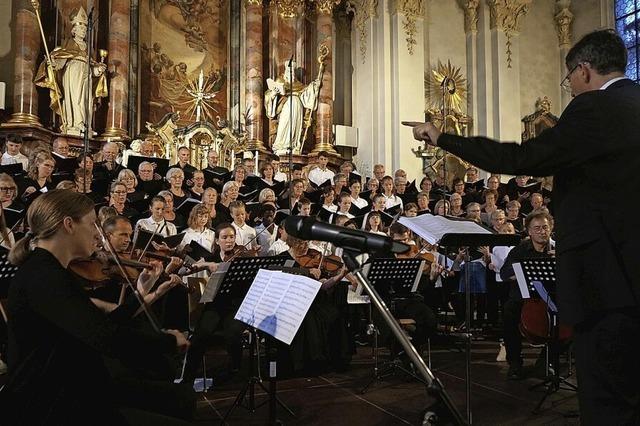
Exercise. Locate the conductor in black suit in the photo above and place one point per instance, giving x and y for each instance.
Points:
(594, 155)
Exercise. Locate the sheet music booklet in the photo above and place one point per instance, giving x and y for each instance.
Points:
(277, 303)
(433, 228)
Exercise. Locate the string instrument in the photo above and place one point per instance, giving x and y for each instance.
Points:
(313, 259)
(416, 252)
(242, 251)
(535, 323)
(101, 270)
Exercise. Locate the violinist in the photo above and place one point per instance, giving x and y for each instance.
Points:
(57, 337)
(216, 315)
(322, 338)
(411, 306)
(157, 222)
(539, 226)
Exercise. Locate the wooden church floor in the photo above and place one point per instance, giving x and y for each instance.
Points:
(335, 398)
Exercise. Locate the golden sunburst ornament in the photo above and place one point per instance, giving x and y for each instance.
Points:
(455, 93)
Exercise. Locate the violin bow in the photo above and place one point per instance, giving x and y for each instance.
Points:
(154, 233)
(106, 244)
(13, 228)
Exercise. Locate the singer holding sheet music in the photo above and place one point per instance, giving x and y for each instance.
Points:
(594, 154)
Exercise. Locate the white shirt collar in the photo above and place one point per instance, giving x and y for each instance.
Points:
(610, 82)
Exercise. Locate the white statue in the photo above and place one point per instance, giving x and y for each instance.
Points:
(289, 110)
(69, 64)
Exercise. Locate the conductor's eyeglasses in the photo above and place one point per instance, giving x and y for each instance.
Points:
(565, 84)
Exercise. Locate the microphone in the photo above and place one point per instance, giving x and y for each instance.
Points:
(308, 228)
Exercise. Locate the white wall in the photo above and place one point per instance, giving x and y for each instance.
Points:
(539, 58)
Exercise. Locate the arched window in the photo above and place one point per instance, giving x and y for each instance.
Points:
(627, 17)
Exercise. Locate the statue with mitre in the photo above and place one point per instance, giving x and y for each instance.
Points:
(286, 100)
(64, 73)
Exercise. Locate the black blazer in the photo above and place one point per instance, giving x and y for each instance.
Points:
(594, 155)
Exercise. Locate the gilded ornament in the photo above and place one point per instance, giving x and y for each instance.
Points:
(470, 9)
(289, 8)
(506, 16)
(564, 18)
(411, 10)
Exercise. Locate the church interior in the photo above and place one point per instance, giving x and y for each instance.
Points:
(301, 82)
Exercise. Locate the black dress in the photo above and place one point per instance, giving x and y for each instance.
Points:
(57, 338)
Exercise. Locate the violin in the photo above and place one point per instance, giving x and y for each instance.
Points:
(313, 259)
(100, 269)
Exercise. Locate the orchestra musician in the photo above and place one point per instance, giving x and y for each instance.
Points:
(58, 336)
(597, 268)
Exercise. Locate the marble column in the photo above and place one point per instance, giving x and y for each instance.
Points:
(365, 105)
(470, 9)
(563, 19)
(324, 115)
(505, 19)
(407, 98)
(118, 66)
(27, 41)
(254, 91)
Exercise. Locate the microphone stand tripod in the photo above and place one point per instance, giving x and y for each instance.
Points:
(442, 410)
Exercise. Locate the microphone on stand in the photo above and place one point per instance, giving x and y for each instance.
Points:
(308, 228)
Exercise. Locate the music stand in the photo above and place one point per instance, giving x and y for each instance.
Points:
(7, 272)
(395, 277)
(392, 278)
(465, 241)
(536, 277)
(234, 285)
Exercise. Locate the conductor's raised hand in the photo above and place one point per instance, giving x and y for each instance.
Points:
(424, 131)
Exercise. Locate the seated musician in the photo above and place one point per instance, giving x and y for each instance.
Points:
(321, 339)
(58, 337)
(412, 306)
(539, 226)
(217, 315)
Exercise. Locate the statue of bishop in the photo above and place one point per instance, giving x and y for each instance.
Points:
(286, 100)
(69, 63)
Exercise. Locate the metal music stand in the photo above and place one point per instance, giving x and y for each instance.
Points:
(540, 273)
(465, 241)
(235, 284)
(7, 272)
(395, 279)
